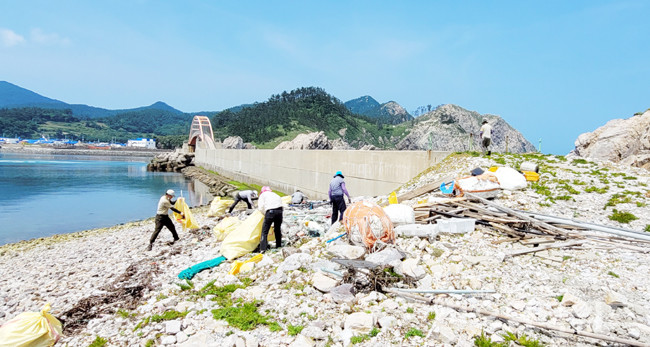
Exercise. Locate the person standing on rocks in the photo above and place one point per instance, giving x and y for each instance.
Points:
(245, 195)
(336, 194)
(270, 204)
(162, 217)
(486, 137)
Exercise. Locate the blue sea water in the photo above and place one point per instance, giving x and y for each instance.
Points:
(43, 195)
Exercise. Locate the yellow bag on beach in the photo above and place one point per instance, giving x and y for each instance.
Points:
(188, 222)
(245, 238)
(245, 266)
(218, 207)
(225, 227)
(31, 329)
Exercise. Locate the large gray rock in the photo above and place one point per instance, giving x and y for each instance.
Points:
(233, 142)
(307, 141)
(385, 256)
(450, 127)
(620, 140)
(360, 322)
(323, 283)
(343, 294)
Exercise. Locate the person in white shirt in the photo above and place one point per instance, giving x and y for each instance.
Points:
(162, 217)
(486, 137)
(270, 204)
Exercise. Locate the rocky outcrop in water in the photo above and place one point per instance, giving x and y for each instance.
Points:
(171, 161)
(620, 140)
(307, 141)
(453, 128)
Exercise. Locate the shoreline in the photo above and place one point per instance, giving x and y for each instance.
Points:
(32, 149)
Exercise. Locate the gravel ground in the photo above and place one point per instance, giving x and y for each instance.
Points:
(595, 288)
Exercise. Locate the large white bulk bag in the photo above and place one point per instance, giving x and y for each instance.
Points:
(400, 214)
(510, 178)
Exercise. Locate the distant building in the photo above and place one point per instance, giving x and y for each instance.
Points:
(9, 140)
(142, 143)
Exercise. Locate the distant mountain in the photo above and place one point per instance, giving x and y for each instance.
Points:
(421, 110)
(386, 113)
(13, 96)
(362, 105)
(453, 128)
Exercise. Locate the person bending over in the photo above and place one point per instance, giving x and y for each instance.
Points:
(245, 195)
(271, 205)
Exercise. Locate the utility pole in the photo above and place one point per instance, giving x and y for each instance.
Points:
(506, 144)
(539, 149)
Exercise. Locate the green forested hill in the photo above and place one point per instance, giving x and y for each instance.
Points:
(167, 127)
(285, 115)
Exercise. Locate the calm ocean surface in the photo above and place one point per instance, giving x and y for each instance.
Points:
(43, 195)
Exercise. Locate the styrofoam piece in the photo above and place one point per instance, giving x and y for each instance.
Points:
(416, 230)
(455, 225)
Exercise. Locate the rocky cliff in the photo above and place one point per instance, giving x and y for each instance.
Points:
(453, 128)
(620, 140)
(307, 141)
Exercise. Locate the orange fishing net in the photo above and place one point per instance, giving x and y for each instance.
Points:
(366, 223)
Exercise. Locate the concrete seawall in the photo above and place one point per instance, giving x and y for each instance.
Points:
(366, 172)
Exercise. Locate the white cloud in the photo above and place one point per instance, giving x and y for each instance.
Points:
(9, 38)
(40, 37)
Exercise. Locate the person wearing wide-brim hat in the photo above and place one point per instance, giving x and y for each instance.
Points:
(336, 194)
(162, 217)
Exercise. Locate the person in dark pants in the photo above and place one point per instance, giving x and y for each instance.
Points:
(244, 195)
(271, 205)
(162, 217)
(336, 194)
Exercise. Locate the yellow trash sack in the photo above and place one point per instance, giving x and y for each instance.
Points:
(223, 228)
(218, 207)
(286, 200)
(244, 266)
(392, 198)
(31, 329)
(188, 222)
(245, 238)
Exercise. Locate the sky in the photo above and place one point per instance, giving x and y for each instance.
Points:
(552, 69)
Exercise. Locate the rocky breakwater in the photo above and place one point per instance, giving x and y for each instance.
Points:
(183, 162)
(171, 161)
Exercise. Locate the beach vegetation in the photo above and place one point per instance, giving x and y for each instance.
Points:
(98, 342)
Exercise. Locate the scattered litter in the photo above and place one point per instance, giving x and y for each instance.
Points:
(191, 271)
(366, 223)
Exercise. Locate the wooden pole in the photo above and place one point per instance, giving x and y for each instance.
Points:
(549, 228)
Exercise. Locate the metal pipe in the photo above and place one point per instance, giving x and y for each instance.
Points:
(335, 273)
(445, 291)
(610, 230)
